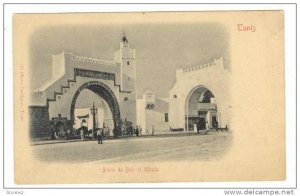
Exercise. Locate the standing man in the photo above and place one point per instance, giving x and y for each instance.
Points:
(195, 128)
(140, 129)
(152, 129)
(115, 132)
(82, 134)
(108, 132)
(207, 126)
(68, 134)
(137, 132)
(105, 131)
(99, 136)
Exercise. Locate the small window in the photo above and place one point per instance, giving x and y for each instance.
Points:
(65, 91)
(128, 63)
(58, 97)
(126, 99)
(166, 117)
(175, 96)
(150, 106)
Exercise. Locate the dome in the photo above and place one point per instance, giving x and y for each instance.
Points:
(124, 39)
(148, 92)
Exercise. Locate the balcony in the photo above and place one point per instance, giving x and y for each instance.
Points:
(207, 106)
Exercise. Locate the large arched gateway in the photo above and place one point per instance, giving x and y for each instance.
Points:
(104, 92)
(200, 93)
(114, 81)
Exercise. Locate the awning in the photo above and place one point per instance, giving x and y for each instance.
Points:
(85, 116)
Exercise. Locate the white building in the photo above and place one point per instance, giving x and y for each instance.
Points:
(84, 117)
(200, 92)
(199, 96)
(152, 113)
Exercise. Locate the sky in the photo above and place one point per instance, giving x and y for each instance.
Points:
(160, 49)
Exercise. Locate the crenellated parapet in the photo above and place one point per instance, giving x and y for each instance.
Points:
(216, 63)
(92, 60)
(213, 76)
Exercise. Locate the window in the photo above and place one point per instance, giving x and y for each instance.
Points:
(166, 117)
(58, 97)
(126, 99)
(201, 113)
(175, 96)
(150, 106)
(128, 63)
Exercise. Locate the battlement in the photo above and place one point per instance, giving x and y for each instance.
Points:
(92, 60)
(215, 62)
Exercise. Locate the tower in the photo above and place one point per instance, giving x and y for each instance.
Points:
(125, 62)
(125, 58)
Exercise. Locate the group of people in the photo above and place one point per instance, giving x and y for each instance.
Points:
(126, 130)
(129, 129)
(138, 130)
(207, 127)
(196, 130)
(65, 135)
(132, 130)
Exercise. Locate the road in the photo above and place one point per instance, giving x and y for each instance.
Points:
(167, 148)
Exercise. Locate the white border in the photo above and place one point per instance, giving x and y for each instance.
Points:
(290, 74)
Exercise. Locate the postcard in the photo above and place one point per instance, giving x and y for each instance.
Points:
(146, 97)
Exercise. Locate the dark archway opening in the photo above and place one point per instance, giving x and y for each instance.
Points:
(106, 94)
(201, 110)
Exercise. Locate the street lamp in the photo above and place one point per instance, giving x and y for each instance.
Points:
(94, 112)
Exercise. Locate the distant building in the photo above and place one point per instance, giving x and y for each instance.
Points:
(152, 113)
(200, 96)
(84, 117)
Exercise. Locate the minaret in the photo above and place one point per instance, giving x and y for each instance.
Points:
(125, 62)
(125, 56)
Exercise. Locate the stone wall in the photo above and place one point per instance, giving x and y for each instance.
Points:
(39, 123)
